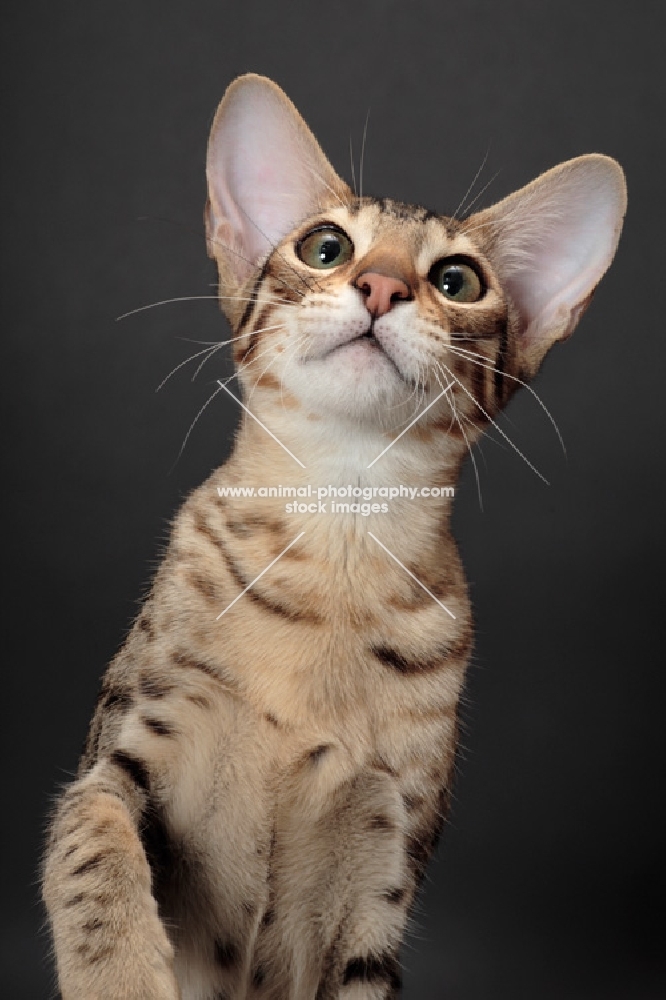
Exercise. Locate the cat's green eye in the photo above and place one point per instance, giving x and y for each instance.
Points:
(325, 248)
(457, 280)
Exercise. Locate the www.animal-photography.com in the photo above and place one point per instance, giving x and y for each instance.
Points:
(334, 441)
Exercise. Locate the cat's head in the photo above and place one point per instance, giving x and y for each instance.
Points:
(360, 307)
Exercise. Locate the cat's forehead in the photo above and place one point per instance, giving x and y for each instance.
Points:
(419, 231)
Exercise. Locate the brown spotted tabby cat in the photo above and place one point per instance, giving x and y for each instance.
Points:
(265, 778)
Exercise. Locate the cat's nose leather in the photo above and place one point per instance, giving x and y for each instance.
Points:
(381, 291)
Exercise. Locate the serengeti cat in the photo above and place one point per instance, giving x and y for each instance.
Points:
(266, 775)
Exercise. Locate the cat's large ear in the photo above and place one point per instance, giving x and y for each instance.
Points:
(266, 173)
(552, 242)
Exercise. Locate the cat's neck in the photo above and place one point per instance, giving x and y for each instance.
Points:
(315, 455)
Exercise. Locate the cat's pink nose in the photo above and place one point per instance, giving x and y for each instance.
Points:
(381, 291)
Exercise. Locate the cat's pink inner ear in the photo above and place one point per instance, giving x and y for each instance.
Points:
(266, 173)
(555, 240)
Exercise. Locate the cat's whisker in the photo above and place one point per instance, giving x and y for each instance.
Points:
(264, 329)
(265, 296)
(242, 367)
(209, 350)
(496, 425)
(276, 326)
(454, 411)
(421, 386)
(487, 434)
(193, 425)
(403, 402)
(206, 350)
(203, 343)
(206, 360)
(462, 352)
(416, 388)
(180, 298)
(289, 359)
(262, 372)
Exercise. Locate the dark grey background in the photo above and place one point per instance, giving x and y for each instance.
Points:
(550, 881)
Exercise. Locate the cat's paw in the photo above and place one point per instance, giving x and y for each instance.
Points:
(132, 960)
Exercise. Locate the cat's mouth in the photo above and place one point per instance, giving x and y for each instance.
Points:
(367, 341)
(367, 337)
(373, 343)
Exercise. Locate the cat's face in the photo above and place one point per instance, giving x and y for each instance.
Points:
(370, 310)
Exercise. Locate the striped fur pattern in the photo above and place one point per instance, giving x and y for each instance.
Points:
(259, 795)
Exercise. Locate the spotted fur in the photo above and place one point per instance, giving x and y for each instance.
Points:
(260, 795)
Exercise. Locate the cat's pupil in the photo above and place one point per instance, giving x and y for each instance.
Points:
(453, 281)
(329, 250)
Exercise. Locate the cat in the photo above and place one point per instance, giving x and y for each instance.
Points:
(269, 763)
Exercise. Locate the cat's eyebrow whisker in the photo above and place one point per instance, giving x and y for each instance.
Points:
(471, 187)
(351, 163)
(496, 426)
(464, 352)
(360, 168)
(324, 183)
(481, 193)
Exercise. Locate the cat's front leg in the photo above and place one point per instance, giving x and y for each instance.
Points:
(109, 941)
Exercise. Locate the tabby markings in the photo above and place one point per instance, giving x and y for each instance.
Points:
(373, 970)
(409, 572)
(226, 954)
(262, 600)
(392, 658)
(134, 768)
(250, 585)
(158, 726)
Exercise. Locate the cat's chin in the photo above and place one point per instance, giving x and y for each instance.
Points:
(379, 400)
(364, 358)
(356, 381)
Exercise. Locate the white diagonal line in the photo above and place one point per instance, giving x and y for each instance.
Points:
(263, 425)
(415, 578)
(260, 576)
(407, 428)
